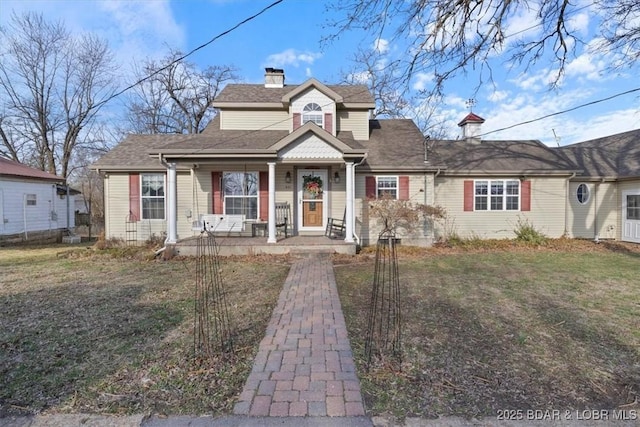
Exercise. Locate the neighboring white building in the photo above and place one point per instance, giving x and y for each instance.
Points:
(33, 204)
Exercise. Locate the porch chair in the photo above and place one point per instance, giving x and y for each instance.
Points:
(335, 227)
(283, 214)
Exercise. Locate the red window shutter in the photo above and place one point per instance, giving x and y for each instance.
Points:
(370, 187)
(403, 184)
(216, 178)
(134, 195)
(468, 196)
(296, 120)
(525, 201)
(328, 122)
(263, 194)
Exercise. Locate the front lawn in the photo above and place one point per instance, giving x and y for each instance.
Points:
(111, 331)
(505, 327)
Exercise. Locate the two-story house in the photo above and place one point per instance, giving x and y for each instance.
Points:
(314, 148)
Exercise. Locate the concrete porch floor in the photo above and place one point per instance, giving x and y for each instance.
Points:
(241, 245)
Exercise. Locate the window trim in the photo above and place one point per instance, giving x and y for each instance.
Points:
(504, 196)
(31, 199)
(588, 193)
(256, 196)
(315, 110)
(397, 187)
(163, 197)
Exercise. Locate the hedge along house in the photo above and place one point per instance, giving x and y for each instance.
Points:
(314, 148)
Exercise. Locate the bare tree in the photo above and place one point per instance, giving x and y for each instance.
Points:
(384, 80)
(52, 87)
(445, 38)
(176, 97)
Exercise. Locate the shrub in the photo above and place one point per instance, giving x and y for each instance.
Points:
(526, 232)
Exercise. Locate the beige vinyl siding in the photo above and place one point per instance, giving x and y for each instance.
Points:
(202, 192)
(313, 95)
(596, 218)
(117, 191)
(117, 208)
(622, 187)
(117, 205)
(337, 192)
(547, 213)
(368, 227)
(355, 121)
(254, 120)
(185, 214)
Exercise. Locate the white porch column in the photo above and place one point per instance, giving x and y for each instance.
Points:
(349, 219)
(272, 203)
(172, 205)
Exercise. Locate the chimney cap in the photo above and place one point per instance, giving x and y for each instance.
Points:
(274, 70)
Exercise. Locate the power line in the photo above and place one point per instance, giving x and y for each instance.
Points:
(175, 61)
(564, 111)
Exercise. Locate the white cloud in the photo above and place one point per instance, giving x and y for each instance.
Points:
(362, 77)
(498, 95)
(381, 45)
(291, 57)
(579, 23)
(422, 80)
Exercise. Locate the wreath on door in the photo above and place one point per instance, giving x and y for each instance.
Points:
(312, 185)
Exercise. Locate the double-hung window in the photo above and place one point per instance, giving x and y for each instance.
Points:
(152, 196)
(312, 112)
(497, 195)
(387, 186)
(241, 194)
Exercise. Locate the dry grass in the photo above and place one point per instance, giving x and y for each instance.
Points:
(501, 325)
(111, 331)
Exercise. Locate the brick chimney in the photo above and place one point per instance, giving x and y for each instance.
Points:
(471, 128)
(273, 77)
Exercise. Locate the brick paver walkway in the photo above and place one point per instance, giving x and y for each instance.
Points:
(304, 366)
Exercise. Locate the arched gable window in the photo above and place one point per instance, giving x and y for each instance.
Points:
(313, 113)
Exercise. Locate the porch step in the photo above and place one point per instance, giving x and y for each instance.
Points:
(308, 252)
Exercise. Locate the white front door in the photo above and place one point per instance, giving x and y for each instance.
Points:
(312, 212)
(631, 216)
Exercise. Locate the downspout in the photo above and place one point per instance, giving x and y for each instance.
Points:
(354, 195)
(596, 237)
(566, 205)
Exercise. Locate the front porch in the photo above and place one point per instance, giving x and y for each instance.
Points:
(241, 245)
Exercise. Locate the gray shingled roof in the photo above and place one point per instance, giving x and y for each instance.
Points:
(615, 156)
(257, 93)
(133, 153)
(527, 156)
(394, 144)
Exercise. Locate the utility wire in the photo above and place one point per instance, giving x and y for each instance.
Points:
(222, 34)
(597, 101)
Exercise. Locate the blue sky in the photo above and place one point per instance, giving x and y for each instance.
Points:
(288, 36)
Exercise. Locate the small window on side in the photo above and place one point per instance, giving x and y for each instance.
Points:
(31, 200)
(582, 194)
